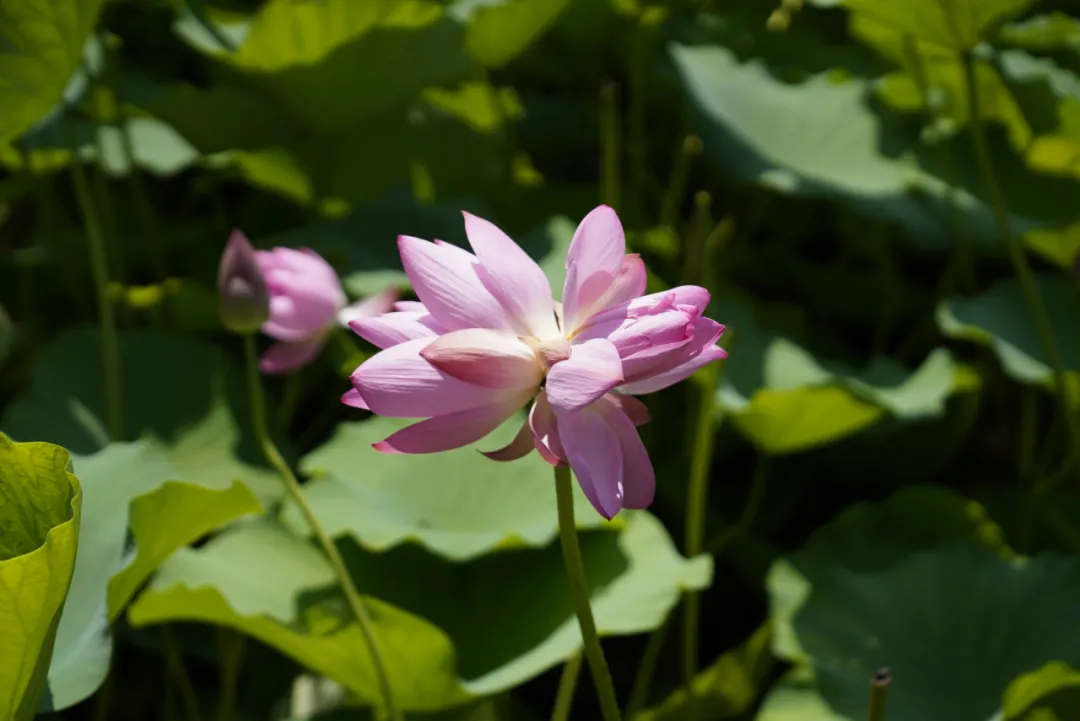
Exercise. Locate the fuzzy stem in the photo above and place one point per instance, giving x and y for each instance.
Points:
(352, 596)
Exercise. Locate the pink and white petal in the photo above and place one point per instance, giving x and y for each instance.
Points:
(410, 305)
(287, 357)
(397, 382)
(513, 277)
(382, 302)
(629, 283)
(519, 447)
(595, 455)
(392, 328)
(593, 369)
(639, 478)
(446, 281)
(660, 381)
(287, 323)
(545, 431)
(660, 359)
(635, 410)
(486, 358)
(453, 430)
(597, 249)
(353, 398)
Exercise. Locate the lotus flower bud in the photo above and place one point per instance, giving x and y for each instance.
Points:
(243, 299)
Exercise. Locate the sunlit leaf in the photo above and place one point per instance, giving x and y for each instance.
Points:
(955, 24)
(40, 504)
(497, 33)
(165, 514)
(1051, 693)
(725, 689)
(41, 46)
(1001, 319)
(458, 504)
(429, 634)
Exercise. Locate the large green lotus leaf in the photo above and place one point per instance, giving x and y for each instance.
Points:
(41, 46)
(823, 137)
(498, 33)
(818, 138)
(954, 24)
(165, 514)
(267, 583)
(302, 54)
(795, 698)
(178, 391)
(785, 400)
(40, 503)
(447, 636)
(999, 318)
(1051, 693)
(727, 688)
(458, 504)
(926, 559)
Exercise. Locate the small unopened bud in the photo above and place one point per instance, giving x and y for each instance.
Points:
(243, 300)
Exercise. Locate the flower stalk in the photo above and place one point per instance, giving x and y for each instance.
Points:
(349, 590)
(579, 595)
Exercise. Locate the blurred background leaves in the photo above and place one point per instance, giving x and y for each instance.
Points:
(892, 482)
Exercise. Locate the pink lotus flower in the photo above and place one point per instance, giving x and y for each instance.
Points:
(306, 302)
(487, 338)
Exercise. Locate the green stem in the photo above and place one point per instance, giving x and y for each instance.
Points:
(696, 505)
(230, 659)
(879, 689)
(110, 347)
(579, 595)
(175, 662)
(680, 172)
(564, 698)
(352, 596)
(753, 504)
(650, 657)
(1018, 257)
(609, 145)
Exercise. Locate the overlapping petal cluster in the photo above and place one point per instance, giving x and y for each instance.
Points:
(486, 338)
(306, 303)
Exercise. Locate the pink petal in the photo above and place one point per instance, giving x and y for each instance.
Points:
(392, 328)
(377, 304)
(452, 430)
(635, 410)
(595, 453)
(397, 382)
(630, 282)
(286, 357)
(410, 305)
(636, 334)
(446, 281)
(513, 277)
(485, 357)
(671, 377)
(655, 361)
(593, 261)
(591, 371)
(545, 431)
(519, 447)
(353, 398)
(639, 478)
(295, 316)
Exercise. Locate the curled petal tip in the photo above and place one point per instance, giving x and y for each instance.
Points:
(384, 447)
